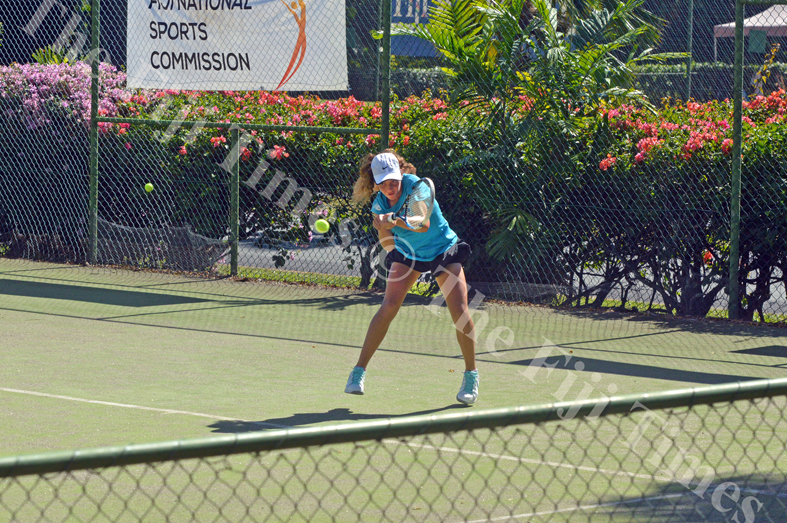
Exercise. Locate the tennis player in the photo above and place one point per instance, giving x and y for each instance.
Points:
(434, 248)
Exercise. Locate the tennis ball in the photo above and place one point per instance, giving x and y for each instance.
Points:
(322, 226)
(148, 187)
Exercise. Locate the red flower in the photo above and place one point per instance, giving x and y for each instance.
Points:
(278, 152)
(607, 162)
(647, 144)
(182, 150)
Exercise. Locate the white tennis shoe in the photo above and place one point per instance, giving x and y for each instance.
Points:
(468, 393)
(355, 381)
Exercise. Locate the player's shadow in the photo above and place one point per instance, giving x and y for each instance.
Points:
(311, 418)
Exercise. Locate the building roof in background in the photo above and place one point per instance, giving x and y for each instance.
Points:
(773, 21)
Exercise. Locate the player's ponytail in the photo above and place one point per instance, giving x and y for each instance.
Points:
(364, 185)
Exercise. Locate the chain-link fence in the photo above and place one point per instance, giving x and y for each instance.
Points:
(559, 139)
(759, 179)
(713, 454)
(178, 143)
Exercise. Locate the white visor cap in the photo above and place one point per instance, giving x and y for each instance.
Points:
(385, 166)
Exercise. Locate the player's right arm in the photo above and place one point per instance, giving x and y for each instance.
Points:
(384, 233)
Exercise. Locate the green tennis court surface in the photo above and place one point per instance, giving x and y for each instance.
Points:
(95, 356)
(232, 356)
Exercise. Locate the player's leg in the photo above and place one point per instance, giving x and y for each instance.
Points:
(454, 288)
(400, 279)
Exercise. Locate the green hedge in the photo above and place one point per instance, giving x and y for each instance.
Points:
(709, 81)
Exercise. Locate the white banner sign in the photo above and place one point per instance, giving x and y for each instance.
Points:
(237, 45)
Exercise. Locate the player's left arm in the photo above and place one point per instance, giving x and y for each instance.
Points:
(399, 223)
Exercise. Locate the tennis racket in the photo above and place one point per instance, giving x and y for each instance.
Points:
(417, 206)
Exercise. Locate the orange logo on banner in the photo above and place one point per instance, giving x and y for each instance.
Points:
(300, 45)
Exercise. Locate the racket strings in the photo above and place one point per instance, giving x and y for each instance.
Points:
(418, 205)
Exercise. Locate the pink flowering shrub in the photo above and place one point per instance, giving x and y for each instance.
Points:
(28, 90)
(694, 131)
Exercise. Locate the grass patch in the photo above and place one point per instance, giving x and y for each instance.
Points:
(309, 278)
(635, 306)
(285, 276)
(640, 306)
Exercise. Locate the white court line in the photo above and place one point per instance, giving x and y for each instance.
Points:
(650, 477)
(534, 461)
(140, 407)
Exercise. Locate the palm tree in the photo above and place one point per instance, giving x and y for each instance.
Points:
(499, 50)
(576, 10)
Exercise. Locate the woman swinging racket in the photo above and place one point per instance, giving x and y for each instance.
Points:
(418, 239)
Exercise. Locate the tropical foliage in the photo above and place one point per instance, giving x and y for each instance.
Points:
(52, 55)
(494, 59)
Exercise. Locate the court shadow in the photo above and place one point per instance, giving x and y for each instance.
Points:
(754, 497)
(707, 325)
(141, 298)
(123, 298)
(636, 371)
(312, 418)
(773, 351)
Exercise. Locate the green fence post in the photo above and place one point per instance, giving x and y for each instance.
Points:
(234, 198)
(385, 72)
(735, 197)
(92, 226)
(690, 46)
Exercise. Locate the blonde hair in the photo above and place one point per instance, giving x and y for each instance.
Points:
(364, 186)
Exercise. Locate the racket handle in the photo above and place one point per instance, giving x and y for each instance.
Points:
(392, 219)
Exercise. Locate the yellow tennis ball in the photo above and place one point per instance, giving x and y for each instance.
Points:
(322, 226)
(148, 187)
